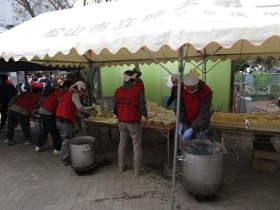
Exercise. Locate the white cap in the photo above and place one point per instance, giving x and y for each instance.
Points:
(191, 79)
(128, 75)
(80, 85)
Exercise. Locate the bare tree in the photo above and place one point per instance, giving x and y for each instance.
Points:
(61, 4)
(27, 9)
(90, 2)
(26, 5)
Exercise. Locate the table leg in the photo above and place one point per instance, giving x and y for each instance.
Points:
(168, 149)
(218, 136)
(96, 131)
(222, 139)
(167, 135)
(215, 135)
(110, 133)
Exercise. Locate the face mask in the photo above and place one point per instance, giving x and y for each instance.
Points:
(191, 91)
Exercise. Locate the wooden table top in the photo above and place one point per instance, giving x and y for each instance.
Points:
(111, 122)
(241, 128)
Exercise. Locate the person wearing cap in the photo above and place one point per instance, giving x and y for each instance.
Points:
(138, 81)
(129, 107)
(65, 118)
(35, 83)
(173, 95)
(20, 109)
(195, 107)
(47, 114)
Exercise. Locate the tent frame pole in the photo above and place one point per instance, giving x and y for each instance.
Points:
(151, 56)
(208, 58)
(180, 74)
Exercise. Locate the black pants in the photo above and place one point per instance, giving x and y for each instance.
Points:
(4, 116)
(15, 118)
(49, 126)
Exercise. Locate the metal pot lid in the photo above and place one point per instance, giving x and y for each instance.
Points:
(203, 147)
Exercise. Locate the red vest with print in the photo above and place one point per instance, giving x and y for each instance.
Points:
(193, 101)
(51, 101)
(66, 108)
(28, 101)
(127, 104)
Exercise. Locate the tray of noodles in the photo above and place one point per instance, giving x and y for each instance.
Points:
(239, 119)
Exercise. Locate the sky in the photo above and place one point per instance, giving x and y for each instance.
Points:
(6, 13)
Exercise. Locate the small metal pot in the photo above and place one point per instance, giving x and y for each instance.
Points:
(202, 167)
(82, 152)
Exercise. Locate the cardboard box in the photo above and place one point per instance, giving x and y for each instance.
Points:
(265, 157)
(265, 160)
(263, 145)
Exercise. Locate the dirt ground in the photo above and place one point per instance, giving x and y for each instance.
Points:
(265, 106)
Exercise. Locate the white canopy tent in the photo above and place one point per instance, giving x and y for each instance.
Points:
(127, 32)
(2, 29)
(144, 31)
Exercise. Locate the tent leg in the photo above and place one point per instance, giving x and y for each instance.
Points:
(180, 73)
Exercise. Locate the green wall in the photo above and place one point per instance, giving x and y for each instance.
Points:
(154, 77)
(219, 80)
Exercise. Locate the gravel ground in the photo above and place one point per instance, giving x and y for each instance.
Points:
(265, 106)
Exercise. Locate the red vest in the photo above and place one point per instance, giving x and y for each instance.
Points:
(127, 104)
(51, 101)
(66, 107)
(193, 101)
(28, 101)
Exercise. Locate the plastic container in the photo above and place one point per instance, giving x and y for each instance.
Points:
(105, 109)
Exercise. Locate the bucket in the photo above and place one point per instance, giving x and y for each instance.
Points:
(82, 152)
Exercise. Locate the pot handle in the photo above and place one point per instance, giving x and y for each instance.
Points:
(180, 158)
(225, 151)
(86, 148)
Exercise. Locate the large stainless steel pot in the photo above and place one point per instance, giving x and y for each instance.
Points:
(82, 152)
(202, 167)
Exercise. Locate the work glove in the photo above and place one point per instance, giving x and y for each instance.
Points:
(187, 135)
(181, 128)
